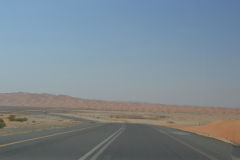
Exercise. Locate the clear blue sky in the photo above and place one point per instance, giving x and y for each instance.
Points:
(157, 51)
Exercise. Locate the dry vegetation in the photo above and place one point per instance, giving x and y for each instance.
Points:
(151, 118)
(2, 123)
(34, 123)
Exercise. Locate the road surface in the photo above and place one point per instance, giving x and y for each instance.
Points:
(112, 141)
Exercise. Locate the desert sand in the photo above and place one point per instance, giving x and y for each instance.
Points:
(186, 119)
(226, 130)
(218, 122)
(225, 127)
(34, 123)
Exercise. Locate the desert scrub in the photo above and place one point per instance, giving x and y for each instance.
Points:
(13, 118)
(21, 119)
(2, 123)
(171, 122)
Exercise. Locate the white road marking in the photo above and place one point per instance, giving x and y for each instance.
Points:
(180, 133)
(101, 150)
(104, 144)
(47, 136)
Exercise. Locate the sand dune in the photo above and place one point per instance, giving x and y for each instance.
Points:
(49, 100)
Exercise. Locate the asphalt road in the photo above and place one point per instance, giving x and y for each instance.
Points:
(112, 142)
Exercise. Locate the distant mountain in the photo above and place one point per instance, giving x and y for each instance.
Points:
(49, 100)
(44, 100)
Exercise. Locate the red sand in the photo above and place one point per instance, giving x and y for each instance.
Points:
(221, 129)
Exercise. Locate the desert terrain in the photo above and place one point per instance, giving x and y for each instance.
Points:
(37, 120)
(224, 127)
(49, 100)
(186, 119)
(217, 122)
(225, 130)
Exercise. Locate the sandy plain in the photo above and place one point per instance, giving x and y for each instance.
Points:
(35, 122)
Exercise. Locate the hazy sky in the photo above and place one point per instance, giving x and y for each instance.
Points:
(158, 51)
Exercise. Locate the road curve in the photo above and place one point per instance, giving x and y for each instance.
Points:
(113, 141)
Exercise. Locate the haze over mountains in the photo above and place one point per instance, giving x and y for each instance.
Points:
(50, 100)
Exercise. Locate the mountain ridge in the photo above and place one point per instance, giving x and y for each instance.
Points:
(52, 100)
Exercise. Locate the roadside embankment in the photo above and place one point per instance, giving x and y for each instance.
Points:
(226, 130)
